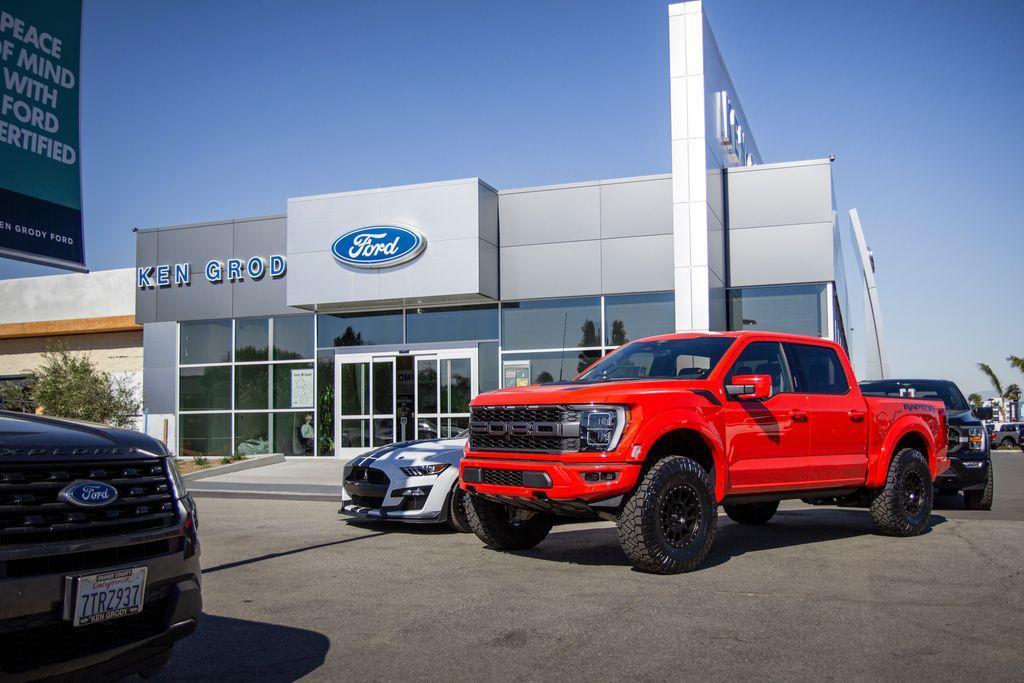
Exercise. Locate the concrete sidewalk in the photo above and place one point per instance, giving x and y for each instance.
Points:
(308, 479)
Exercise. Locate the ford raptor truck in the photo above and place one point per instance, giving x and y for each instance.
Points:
(99, 557)
(659, 433)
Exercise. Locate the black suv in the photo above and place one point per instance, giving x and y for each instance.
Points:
(99, 556)
(970, 461)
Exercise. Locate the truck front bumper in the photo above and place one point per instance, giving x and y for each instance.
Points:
(964, 474)
(554, 486)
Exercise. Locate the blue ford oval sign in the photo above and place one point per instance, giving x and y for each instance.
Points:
(88, 494)
(379, 246)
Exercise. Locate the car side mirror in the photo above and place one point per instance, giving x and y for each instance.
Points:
(982, 412)
(750, 387)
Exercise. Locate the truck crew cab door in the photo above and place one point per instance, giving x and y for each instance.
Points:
(766, 441)
(837, 414)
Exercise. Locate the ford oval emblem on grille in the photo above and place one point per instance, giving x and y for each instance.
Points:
(379, 246)
(88, 494)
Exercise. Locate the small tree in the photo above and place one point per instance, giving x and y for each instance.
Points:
(975, 400)
(1012, 395)
(997, 385)
(69, 385)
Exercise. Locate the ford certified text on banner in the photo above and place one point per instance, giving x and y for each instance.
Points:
(40, 184)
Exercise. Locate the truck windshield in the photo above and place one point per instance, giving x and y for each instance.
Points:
(934, 390)
(689, 358)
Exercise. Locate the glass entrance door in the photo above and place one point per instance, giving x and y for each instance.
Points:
(371, 403)
(364, 402)
(445, 384)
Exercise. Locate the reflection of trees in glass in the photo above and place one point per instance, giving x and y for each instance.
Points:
(590, 338)
(284, 354)
(619, 336)
(250, 352)
(544, 378)
(325, 405)
(349, 338)
(251, 386)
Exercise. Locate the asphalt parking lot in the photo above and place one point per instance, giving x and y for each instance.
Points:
(293, 590)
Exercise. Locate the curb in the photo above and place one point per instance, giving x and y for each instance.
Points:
(241, 465)
(266, 495)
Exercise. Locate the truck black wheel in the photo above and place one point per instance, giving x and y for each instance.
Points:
(902, 507)
(752, 513)
(504, 527)
(982, 498)
(668, 525)
(458, 518)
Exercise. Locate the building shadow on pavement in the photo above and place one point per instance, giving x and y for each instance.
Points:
(789, 528)
(226, 649)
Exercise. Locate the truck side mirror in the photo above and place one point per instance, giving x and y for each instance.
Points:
(982, 412)
(750, 387)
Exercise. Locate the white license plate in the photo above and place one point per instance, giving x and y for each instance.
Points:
(108, 595)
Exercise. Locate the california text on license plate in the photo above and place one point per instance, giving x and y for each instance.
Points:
(105, 596)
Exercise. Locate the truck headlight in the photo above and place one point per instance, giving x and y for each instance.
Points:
(601, 427)
(424, 470)
(976, 438)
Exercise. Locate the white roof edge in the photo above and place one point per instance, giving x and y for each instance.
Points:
(588, 183)
(779, 164)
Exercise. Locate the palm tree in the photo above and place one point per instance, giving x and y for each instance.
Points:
(975, 400)
(997, 385)
(1013, 396)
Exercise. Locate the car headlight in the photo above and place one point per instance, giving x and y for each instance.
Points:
(601, 427)
(424, 470)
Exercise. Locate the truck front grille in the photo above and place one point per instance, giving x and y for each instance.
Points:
(501, 477)
(30, 511)
(524, 429)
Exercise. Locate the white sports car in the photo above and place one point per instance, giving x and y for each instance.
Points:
(414, 481)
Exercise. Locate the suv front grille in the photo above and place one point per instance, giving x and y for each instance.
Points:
(525, 429)
(30, 511)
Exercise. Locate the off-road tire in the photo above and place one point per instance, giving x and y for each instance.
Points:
(494, 525)
(752, 513)
(458, 517)
(895, 509)
(981, 499)
(674, 487)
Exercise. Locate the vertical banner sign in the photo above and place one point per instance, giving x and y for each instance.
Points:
(40, 183)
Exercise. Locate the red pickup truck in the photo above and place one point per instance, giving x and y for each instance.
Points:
(659, 433)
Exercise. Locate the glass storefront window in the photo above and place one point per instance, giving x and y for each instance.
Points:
(293, 337)
(355, 433)
(206, 388)
(206, 435)
(205, 341)
(799, 309)
(252, 433)
(551, 323)
(521, 369)
(325, 403)
(630, 317)
(293, 385)
(455, 385)
(359, 329)
(355, 388)
(252, 387)
(294, 433)
(252, 337)
(425, 325)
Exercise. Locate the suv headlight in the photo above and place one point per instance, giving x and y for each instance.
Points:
(601, 427)
(424, 470)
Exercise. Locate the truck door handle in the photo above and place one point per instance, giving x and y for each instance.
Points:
(798, 415)
(856, 415)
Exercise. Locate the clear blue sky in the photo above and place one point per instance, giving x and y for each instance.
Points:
(201, 110)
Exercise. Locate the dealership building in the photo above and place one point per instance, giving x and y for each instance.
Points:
(360, 318)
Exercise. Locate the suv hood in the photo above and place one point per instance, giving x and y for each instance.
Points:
(569, 393)
(20, 433)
